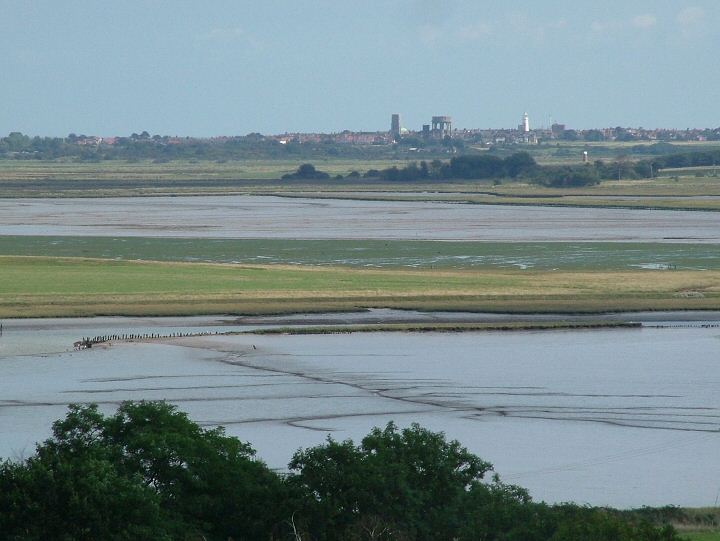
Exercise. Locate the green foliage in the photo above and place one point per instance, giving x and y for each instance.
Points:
(307, 171)
(149, 473)
(593, 524)
(469, 166)
(517, 165)
(706, 535)
(76, 497)
(521, 165)
(567, 176)
(499, 511)
(143, 146)
(409, 481)
(146, 472)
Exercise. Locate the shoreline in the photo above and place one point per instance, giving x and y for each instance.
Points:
(105, 341)
(415, 324)
(443, 327)
(393, 316)
(682, 202)
(301, 308)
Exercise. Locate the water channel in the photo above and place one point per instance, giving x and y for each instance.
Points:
(622, 417)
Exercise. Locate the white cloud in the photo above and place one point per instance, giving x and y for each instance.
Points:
(474, 32)
(690, 16)
(525, 25)
(606, 27)
(644, 21)
(518, 24)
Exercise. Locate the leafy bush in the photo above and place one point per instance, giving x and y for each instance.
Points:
(149, 473)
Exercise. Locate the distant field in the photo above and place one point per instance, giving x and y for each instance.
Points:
(44, 287)
(255, 169)
(684, 192)
(676, 189)
(378, 253)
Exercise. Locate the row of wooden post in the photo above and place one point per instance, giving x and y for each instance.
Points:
(88, 342)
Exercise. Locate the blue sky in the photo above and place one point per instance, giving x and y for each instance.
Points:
(233, 67)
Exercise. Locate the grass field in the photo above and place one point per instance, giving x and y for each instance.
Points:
(681, 189)
(44, 287)
(684, 192)
(254, 169)
(378, 253)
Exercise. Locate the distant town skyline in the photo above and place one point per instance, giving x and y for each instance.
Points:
(440, 129)
(235, 67)
(396, 128)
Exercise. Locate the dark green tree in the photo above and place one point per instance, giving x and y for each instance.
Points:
(411, 481)
(307, 171)
(149, 473)
(594, 135)
(518, 164)
(81, 497)
(162, 473)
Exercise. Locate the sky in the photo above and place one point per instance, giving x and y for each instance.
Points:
(216, 67)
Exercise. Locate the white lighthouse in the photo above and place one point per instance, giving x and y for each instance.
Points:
(525, 123)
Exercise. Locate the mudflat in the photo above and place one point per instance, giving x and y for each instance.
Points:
(609, 408)
(291, 218)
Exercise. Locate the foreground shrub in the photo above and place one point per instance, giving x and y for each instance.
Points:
(149, 473)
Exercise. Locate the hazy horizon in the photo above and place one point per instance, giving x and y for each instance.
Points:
(232, 68)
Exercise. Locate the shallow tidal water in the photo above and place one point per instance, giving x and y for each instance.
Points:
(622, 417)
(295, 218)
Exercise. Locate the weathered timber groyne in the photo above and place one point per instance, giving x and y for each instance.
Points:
(89, 342)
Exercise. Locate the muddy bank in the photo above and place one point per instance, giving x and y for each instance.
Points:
(388, 316)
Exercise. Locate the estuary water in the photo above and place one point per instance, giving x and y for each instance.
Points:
(622, 417)
(295, 218)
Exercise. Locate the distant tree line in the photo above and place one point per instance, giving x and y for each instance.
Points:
(522, 166)
(627, 135)
(161, 148)
(144, 146)
(497, 164)
(149, 473)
